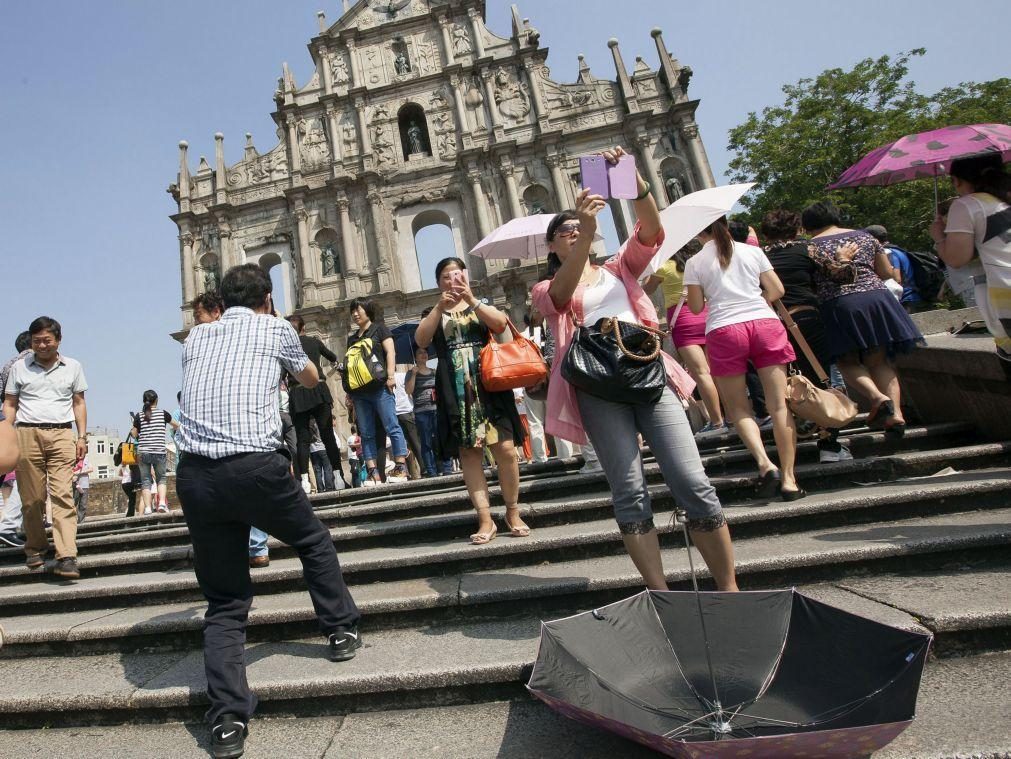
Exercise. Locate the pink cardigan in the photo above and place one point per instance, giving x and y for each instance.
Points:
(563, 419)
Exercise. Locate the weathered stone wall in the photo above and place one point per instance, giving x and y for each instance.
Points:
(107, 497)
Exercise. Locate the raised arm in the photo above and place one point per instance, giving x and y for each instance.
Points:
(566, 279)
(839, 268)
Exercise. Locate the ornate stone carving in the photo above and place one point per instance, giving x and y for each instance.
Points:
(380, 113)
(427, 56)
(348, 134)
(339, 70)
(328, 259)
(690, 131)
(382, 145)
(447, 145)
(674, 187)
(442, 121)
(684, 77)
(301, 215)
(474, 97)
(645, 88)
(510, 95)
(314, 150)
(374, 71)
(211, 279)
(461, 40)
(440, 99)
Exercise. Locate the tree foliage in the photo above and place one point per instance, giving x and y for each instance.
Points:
(828, 123)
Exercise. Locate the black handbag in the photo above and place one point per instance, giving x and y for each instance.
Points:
(617, 361)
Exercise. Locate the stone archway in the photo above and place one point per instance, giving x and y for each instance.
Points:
(275, 259)
(411, 221)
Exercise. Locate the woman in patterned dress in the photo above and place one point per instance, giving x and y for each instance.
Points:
(470, 418)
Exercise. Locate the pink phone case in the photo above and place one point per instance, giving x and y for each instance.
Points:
(621, 177)
(593, 175)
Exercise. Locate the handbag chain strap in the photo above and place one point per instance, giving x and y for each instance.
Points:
(802, 342)
(613, 325)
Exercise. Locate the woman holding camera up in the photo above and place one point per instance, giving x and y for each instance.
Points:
(578, 294)
(470, 417)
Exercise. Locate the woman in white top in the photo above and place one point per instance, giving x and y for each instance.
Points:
(738, 282)
(979, 221)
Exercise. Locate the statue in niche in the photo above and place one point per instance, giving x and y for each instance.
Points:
(348, 131)
(339, 69)
(211, 279)
(512, 101)
(461, 42)
(416, 138)
(328, 257)
(400, 64)
(674, 187)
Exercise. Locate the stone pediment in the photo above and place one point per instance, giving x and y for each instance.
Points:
(367, 14)
(255, 169)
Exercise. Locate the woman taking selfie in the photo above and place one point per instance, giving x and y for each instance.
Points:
(577, 293)
(470, 417)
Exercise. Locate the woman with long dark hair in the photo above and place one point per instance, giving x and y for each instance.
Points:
(578, 293)
(865, 325)
(470, 418)
(149, 429)
(739, 284)
(979, 223)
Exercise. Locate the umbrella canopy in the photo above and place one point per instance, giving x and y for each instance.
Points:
(789, 674)
(521, 238)
(403, 342)
(925, 155)
(690, 214)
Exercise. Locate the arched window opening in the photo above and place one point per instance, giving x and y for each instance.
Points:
(433, 241)
(414, 131)
(537, 200)
(272, 264)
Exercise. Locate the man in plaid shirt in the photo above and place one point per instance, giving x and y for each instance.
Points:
(234, 473)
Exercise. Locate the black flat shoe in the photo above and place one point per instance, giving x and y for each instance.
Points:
(880, 414)
(895, 431)
(768, 484)
(792, 495)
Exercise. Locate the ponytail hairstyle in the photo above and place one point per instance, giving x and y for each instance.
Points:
(720, 230)
(985, 173)
(150, 398)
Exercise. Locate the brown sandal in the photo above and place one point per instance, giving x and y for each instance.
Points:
(521, 531)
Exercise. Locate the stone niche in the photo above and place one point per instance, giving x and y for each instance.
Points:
(412, 219)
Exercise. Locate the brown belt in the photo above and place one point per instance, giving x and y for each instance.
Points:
(798, 309)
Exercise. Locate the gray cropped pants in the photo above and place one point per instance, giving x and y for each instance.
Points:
(612, 429)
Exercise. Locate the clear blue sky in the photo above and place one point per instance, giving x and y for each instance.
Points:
(97, 94)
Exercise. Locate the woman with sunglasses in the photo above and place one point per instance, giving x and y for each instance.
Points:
(576, 292)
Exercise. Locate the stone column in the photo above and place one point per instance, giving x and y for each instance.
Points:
(489, 97)
(376, 214)
(324, 61)
(530, 66)
(512, 192)
(186, 250)
(305, 256)
(363, 127)
(225, 260)
(356, 69)
(475, 32)
(350, 264)
(700, 161)
(447, 40)
(478, 266)
(652, 173)
(558, 180)
(219, 169)
(333, 133)
(296, 158)
(184, 178)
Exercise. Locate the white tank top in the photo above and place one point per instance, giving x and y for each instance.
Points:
(608, 297)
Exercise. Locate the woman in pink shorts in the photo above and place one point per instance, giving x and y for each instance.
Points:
(688, 333)
(739, 283)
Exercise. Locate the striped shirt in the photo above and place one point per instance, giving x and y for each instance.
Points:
(231, 374)
(151, 432)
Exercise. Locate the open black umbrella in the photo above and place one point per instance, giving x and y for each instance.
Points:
(403, 342)
(755, 674)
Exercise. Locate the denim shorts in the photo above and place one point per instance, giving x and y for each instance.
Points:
(149, 461)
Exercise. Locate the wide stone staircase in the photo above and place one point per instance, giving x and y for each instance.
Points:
(915, 534)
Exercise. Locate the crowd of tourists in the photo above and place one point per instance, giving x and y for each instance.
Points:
(257, 436)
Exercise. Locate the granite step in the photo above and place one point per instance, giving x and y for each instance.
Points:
(119, 554)
(426, 665)
(848, 554)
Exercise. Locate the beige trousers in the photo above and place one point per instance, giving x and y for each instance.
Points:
(47, 465)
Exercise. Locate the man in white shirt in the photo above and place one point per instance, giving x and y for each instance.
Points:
(45, 396)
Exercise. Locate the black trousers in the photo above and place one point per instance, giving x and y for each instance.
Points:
(131, 497)
(222, 499)
(410, 428)
(323, 414)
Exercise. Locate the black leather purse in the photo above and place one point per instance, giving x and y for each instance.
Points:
(617, 361)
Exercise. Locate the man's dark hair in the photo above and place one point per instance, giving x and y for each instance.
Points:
(780, 224)
(878, 232)
(738, 230)
(247, 286)
(297, 322)
(46, 324)
(820, 215)
(367, 305)
(208, 301)
(22, 343)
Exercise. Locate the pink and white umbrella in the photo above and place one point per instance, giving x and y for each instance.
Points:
(522, 238)
(926, 155)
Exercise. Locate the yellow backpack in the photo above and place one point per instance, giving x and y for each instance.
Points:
(361, 367)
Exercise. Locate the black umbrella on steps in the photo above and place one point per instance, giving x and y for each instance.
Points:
(752, 674)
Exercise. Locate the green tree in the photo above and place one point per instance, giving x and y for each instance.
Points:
(828, 123)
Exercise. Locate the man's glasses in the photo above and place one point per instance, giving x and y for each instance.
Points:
(566, 230)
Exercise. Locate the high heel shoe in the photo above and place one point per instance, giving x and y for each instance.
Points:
(521, 531)
(879, 415)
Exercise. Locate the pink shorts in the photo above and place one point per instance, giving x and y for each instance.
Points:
(762, 341)
(690, 328)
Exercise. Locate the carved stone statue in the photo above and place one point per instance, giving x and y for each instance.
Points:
(416, 137)
(339, 69)
(512, 101)
(329, 260)
(447, 144)
(381, 144)
(314, 150)
(211, 279)
(684, 77)
(400, 64)
(461, 42)
(674, 188)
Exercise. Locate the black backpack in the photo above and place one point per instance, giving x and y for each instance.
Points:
(928, 273)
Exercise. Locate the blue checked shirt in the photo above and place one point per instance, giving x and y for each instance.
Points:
(231, 373)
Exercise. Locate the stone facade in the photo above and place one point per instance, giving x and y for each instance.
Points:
(417, 114)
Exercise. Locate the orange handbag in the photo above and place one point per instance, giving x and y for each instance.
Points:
(506, 366)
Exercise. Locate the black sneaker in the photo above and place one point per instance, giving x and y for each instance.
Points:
(67, 569)
(11, 539)
(344, 644)
(228, 737)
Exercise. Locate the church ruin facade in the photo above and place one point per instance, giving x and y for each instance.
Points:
(416, 114)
